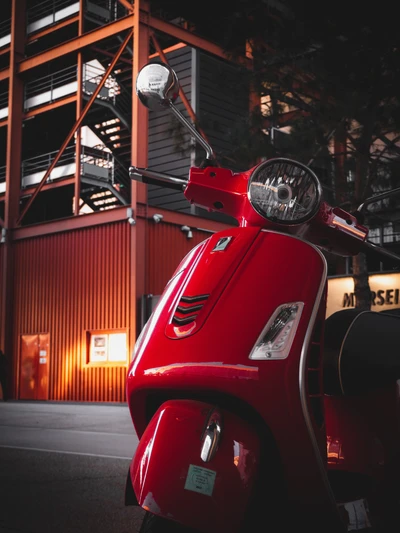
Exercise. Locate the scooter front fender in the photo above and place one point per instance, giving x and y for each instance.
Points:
(171, 479)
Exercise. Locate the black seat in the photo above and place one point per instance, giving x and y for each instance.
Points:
(361, 351)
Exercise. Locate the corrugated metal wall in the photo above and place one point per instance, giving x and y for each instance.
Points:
(166, 247)
(69, 283)
(66, 284)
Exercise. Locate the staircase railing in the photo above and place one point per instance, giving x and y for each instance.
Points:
(98, 163)
(60, 83)
(123, 101)
(5, 32)
(49, 9)
(121, 174)
(3, 105)
(2, 177)
(112, 92)
(105, 10)
(51, 86)
(41, 163)
(49, 12)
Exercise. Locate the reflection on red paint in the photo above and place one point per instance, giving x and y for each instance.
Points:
(334, 450)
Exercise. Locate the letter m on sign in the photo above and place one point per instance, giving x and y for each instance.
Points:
(348, 299)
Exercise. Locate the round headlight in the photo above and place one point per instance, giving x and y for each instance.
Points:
(284, 191)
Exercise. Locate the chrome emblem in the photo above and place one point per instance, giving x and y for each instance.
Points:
(222, 244)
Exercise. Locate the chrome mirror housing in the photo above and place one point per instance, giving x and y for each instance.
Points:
(157, 85)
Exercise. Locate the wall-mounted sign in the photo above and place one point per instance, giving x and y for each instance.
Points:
(385, 289)
(107, 347)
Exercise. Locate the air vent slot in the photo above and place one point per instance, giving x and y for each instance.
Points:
(188, 309)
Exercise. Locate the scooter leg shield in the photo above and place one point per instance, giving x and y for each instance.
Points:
(196, 464)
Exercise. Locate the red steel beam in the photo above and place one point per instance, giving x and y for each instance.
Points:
(52, 29)
(115, 27)
(109, 54)
(77, 44)
(115, 215)
(49, 107)
(176, 46)
(111, 29)
(15, 114)
(139, 151)
(13, 183)
(61, 182)
(78, 111)
(127, 5)
(184, 219)
(76, 125)
(44, 108)
(4, 74)
(83, 221)
(190, 38)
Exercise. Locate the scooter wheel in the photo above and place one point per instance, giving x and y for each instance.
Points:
(156, 524)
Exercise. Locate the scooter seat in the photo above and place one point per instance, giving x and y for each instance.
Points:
(361, 351)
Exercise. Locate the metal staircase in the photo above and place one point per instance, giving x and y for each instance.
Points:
(104, 169)
(110, 119)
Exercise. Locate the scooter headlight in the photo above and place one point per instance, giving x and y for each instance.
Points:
(284, 191)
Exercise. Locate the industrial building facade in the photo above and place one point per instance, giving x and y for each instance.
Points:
(82, 247)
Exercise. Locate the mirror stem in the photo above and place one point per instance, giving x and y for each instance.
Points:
(209, 151)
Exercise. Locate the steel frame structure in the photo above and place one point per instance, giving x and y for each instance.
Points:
(140, 27)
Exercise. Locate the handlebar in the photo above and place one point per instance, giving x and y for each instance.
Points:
(153, 177)
(379, 250)
(144, 175)
(376, 198)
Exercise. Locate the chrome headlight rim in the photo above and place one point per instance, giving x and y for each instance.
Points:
(307, 170)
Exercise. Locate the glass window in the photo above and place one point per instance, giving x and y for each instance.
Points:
(106, 347)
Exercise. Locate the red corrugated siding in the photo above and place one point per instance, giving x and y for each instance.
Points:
(167, 245)
(67, 284)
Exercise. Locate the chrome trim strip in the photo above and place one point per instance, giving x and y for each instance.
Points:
(211, 436)
(303, 369)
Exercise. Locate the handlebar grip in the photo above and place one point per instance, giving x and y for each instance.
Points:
(151, 177)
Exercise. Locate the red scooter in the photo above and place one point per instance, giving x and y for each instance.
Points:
(254, 412)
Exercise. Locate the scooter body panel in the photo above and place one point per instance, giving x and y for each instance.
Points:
(171, 480)
(245, 283)
(359, 439)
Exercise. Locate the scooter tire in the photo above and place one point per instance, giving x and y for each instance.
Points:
(156, 524)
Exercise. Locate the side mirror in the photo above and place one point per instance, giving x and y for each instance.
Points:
(157, 85)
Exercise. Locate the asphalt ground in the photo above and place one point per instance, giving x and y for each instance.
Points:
(63, 468)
